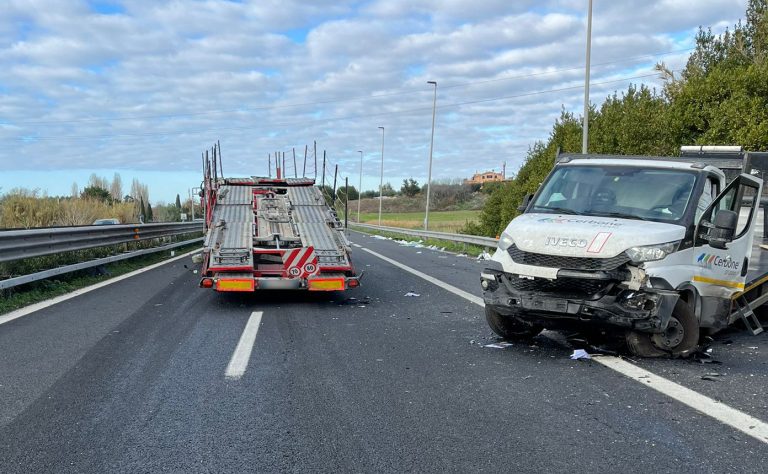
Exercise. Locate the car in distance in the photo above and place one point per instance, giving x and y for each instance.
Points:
(106, 222)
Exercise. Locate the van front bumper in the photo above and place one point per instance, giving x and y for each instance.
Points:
(645, 310)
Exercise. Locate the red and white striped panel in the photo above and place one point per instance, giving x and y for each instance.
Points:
(300, 262)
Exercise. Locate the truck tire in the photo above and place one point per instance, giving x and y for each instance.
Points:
(508, 327)
(680, 339)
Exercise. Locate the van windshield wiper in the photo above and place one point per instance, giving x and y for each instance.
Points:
(561, 210)
(620, 215)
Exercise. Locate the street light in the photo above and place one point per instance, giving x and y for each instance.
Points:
(360, 186)
(431, 143)
(585, 126)
(381, 182)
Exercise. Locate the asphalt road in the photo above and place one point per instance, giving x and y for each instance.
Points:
(131, 378)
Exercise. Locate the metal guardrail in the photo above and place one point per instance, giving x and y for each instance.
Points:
(21, 280)
(20, 244)
(428, 234)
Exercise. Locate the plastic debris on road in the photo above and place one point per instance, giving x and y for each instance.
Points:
(580, 354)
(498, 345)
(484, 256)
(411, 293)
(409, 243)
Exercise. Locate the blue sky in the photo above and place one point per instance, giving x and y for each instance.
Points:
(143, 87)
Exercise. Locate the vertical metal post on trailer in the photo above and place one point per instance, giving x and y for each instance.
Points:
(295, 168)
(335, 173)
(346, 203)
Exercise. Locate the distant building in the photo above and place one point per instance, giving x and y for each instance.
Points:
(485, 177)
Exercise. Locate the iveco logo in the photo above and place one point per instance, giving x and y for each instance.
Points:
(565, 242)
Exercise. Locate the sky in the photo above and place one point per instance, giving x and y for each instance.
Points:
(144, 87)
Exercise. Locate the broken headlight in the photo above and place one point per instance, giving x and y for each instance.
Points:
(505, 241)
(649, 253)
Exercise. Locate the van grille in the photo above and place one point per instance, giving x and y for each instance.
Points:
(564, 287)
(570, 263)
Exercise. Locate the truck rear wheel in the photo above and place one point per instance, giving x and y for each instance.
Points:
(508, 327)
(680, 338)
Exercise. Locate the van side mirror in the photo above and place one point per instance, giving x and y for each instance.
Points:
(526, 200)
(722, 229)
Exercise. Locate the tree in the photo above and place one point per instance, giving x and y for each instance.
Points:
(387, 190)
(142, 210)
(96, 181)
(410, 187)
(116, 188)
(75, 190)
(139, 190)
(149, 212)
(96, 193)
(369, 194)
(178, 202)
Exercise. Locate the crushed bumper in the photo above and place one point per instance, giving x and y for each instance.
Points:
(646, 309)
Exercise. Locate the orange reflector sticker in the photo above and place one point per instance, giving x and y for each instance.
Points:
(235, 285)
(329, 284)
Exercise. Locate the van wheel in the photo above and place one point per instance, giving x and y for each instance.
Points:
(508, 327)
(680, 339)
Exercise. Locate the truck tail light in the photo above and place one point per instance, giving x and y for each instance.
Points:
(206, 282)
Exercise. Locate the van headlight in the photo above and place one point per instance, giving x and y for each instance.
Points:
(649, 253)
(505, 241)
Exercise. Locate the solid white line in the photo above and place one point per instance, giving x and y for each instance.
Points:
(456, 291)
(239, 361)
(8, 317)
(717, 410)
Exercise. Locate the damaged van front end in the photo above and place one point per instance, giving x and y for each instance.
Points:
(544, 279)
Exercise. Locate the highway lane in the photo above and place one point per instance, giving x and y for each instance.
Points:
(131, 377)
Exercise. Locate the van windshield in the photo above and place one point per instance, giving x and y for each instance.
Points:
(617, 191)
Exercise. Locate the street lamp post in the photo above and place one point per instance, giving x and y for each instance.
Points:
(585, 127)
(381, 181)
(431, 144)
(360, 186)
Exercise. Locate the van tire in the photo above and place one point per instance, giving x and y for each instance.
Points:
(508, 327)
(683, 327)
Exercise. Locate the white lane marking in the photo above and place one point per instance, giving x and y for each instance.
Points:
(358, 246)
(239, 361)
(719, 411)
(456, 291)
(8, 317)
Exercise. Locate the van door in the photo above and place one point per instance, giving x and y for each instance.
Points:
(723, 238)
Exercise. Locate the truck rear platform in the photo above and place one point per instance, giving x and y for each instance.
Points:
(267, 233)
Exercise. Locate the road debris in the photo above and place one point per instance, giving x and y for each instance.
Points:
(580, 354)
(498, 345)
(411, 293)
(711, 376)
(484, 256)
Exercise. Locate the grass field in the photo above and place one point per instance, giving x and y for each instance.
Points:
(440, 221)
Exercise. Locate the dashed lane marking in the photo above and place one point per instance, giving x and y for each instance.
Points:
(456, 291)
(8, 317)
(239, 361)
(747, 424)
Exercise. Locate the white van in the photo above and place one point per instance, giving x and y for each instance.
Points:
(660, 248)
